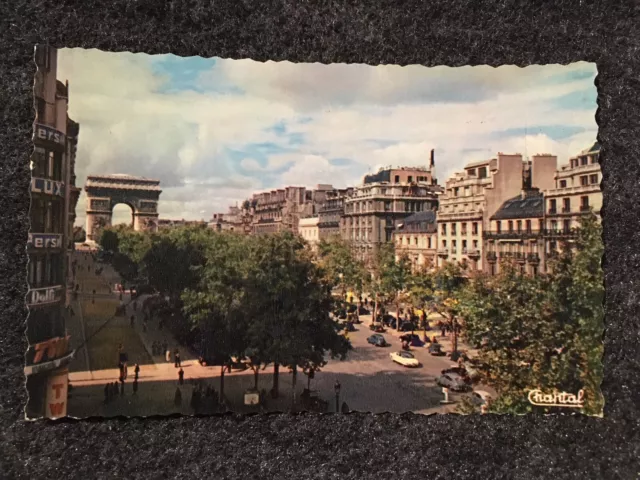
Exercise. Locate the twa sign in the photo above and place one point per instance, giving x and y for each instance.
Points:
(57, 390)
(51, 349)
(42, 296)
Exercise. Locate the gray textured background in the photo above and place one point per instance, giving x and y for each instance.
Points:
(451, 32)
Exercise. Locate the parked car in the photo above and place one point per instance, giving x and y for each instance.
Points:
(454, 382)
(480, 397)
(435, 349)
(405, 359)
(348, 327)
(407, 327)
(460, 371)
(412, 339)
(377, 327)
(377, 340)
(363, 311)
(387, 319)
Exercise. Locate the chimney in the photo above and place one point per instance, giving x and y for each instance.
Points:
(432, 167)
(433, 158)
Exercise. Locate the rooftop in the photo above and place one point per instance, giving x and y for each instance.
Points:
(529, 204)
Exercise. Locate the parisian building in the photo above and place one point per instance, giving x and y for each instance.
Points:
(385, 199)
(576, 191)
(416, 239)
(53, 198)
(516, 233)
(281, 209)
(473, 196)
(235, 220)
(166, 223)
(331, 212)
(308, 229)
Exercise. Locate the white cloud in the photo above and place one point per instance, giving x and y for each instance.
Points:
(201, 145)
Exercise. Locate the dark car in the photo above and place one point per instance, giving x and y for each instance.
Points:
(377, 327)
(407, 327)
(453, 382)
(412, 339)
(435, 349)
(348, 327)
(351, 308)
(460, 371)
(457, 355)
(363, 311)
(377, 340)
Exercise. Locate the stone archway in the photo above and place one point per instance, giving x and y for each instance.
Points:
(106, 191)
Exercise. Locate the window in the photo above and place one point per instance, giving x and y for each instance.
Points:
(510, 226)
(563, 184)
(429, 242)
(41, 106)
(463, 228)
(475, 244)
(566, 205)
(410, 179)
(593, 178)
(584, 203)
(498, 226)
(552, 205)
(566, 226)
(415, 240)
(519, 224)
(444, 229)
(554, 225)
(464, 246)
(584, 180)
(455, 192)
(528, 226)
(444, 244)
(397, 180)
(474, 228)
(584, 160)
(540, 225)
(482, 172)
(387, 206)
(453, 228)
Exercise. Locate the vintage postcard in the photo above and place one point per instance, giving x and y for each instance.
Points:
(214, 235)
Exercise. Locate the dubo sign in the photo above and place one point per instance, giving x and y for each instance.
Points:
(44, 240)
(50, 187)
(49, 134)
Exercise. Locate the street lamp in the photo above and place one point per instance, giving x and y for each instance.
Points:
(336, 387)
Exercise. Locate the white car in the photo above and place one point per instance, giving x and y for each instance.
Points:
(480, 397)
(404, 358)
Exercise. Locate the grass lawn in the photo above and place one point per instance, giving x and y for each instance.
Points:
(103, 346)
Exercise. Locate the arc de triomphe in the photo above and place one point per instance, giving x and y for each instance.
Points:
(106, 191)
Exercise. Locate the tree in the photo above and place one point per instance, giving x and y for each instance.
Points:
(542, 332)
(109, 240)
(394, 276)
(215, 304)
(246, 205)
(79, 235)
(341, 267)
(289, 305)
(449, 282)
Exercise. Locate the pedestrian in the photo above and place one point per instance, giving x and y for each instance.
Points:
(132, 320)
(107, 393)
(135, 385)
(144, 326)
(177, 398)
(135, 305)
(136, 371)
(167, 354)
(122, 386)
(195, 400)
(176, 358)
(443, 330)
(181, 376)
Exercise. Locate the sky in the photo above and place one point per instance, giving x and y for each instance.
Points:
(214, 131)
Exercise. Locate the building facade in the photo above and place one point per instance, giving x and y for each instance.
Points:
(235, 220)
(281, 209)
(374, 209)
(471, 198)
(308, 229)
(53, 197)
(416, 239)
(516, 234)
(576, 191)
(331, 212)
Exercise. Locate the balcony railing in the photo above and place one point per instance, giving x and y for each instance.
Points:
(454, 250)
(553, 211)
(491, 256)
(566, 209)
(533, 258)
(512, 234)
(474, 253)
(443, 252)
(585, 208)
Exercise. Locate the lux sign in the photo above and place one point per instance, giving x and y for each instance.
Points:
(50, 134)
(50, 187)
